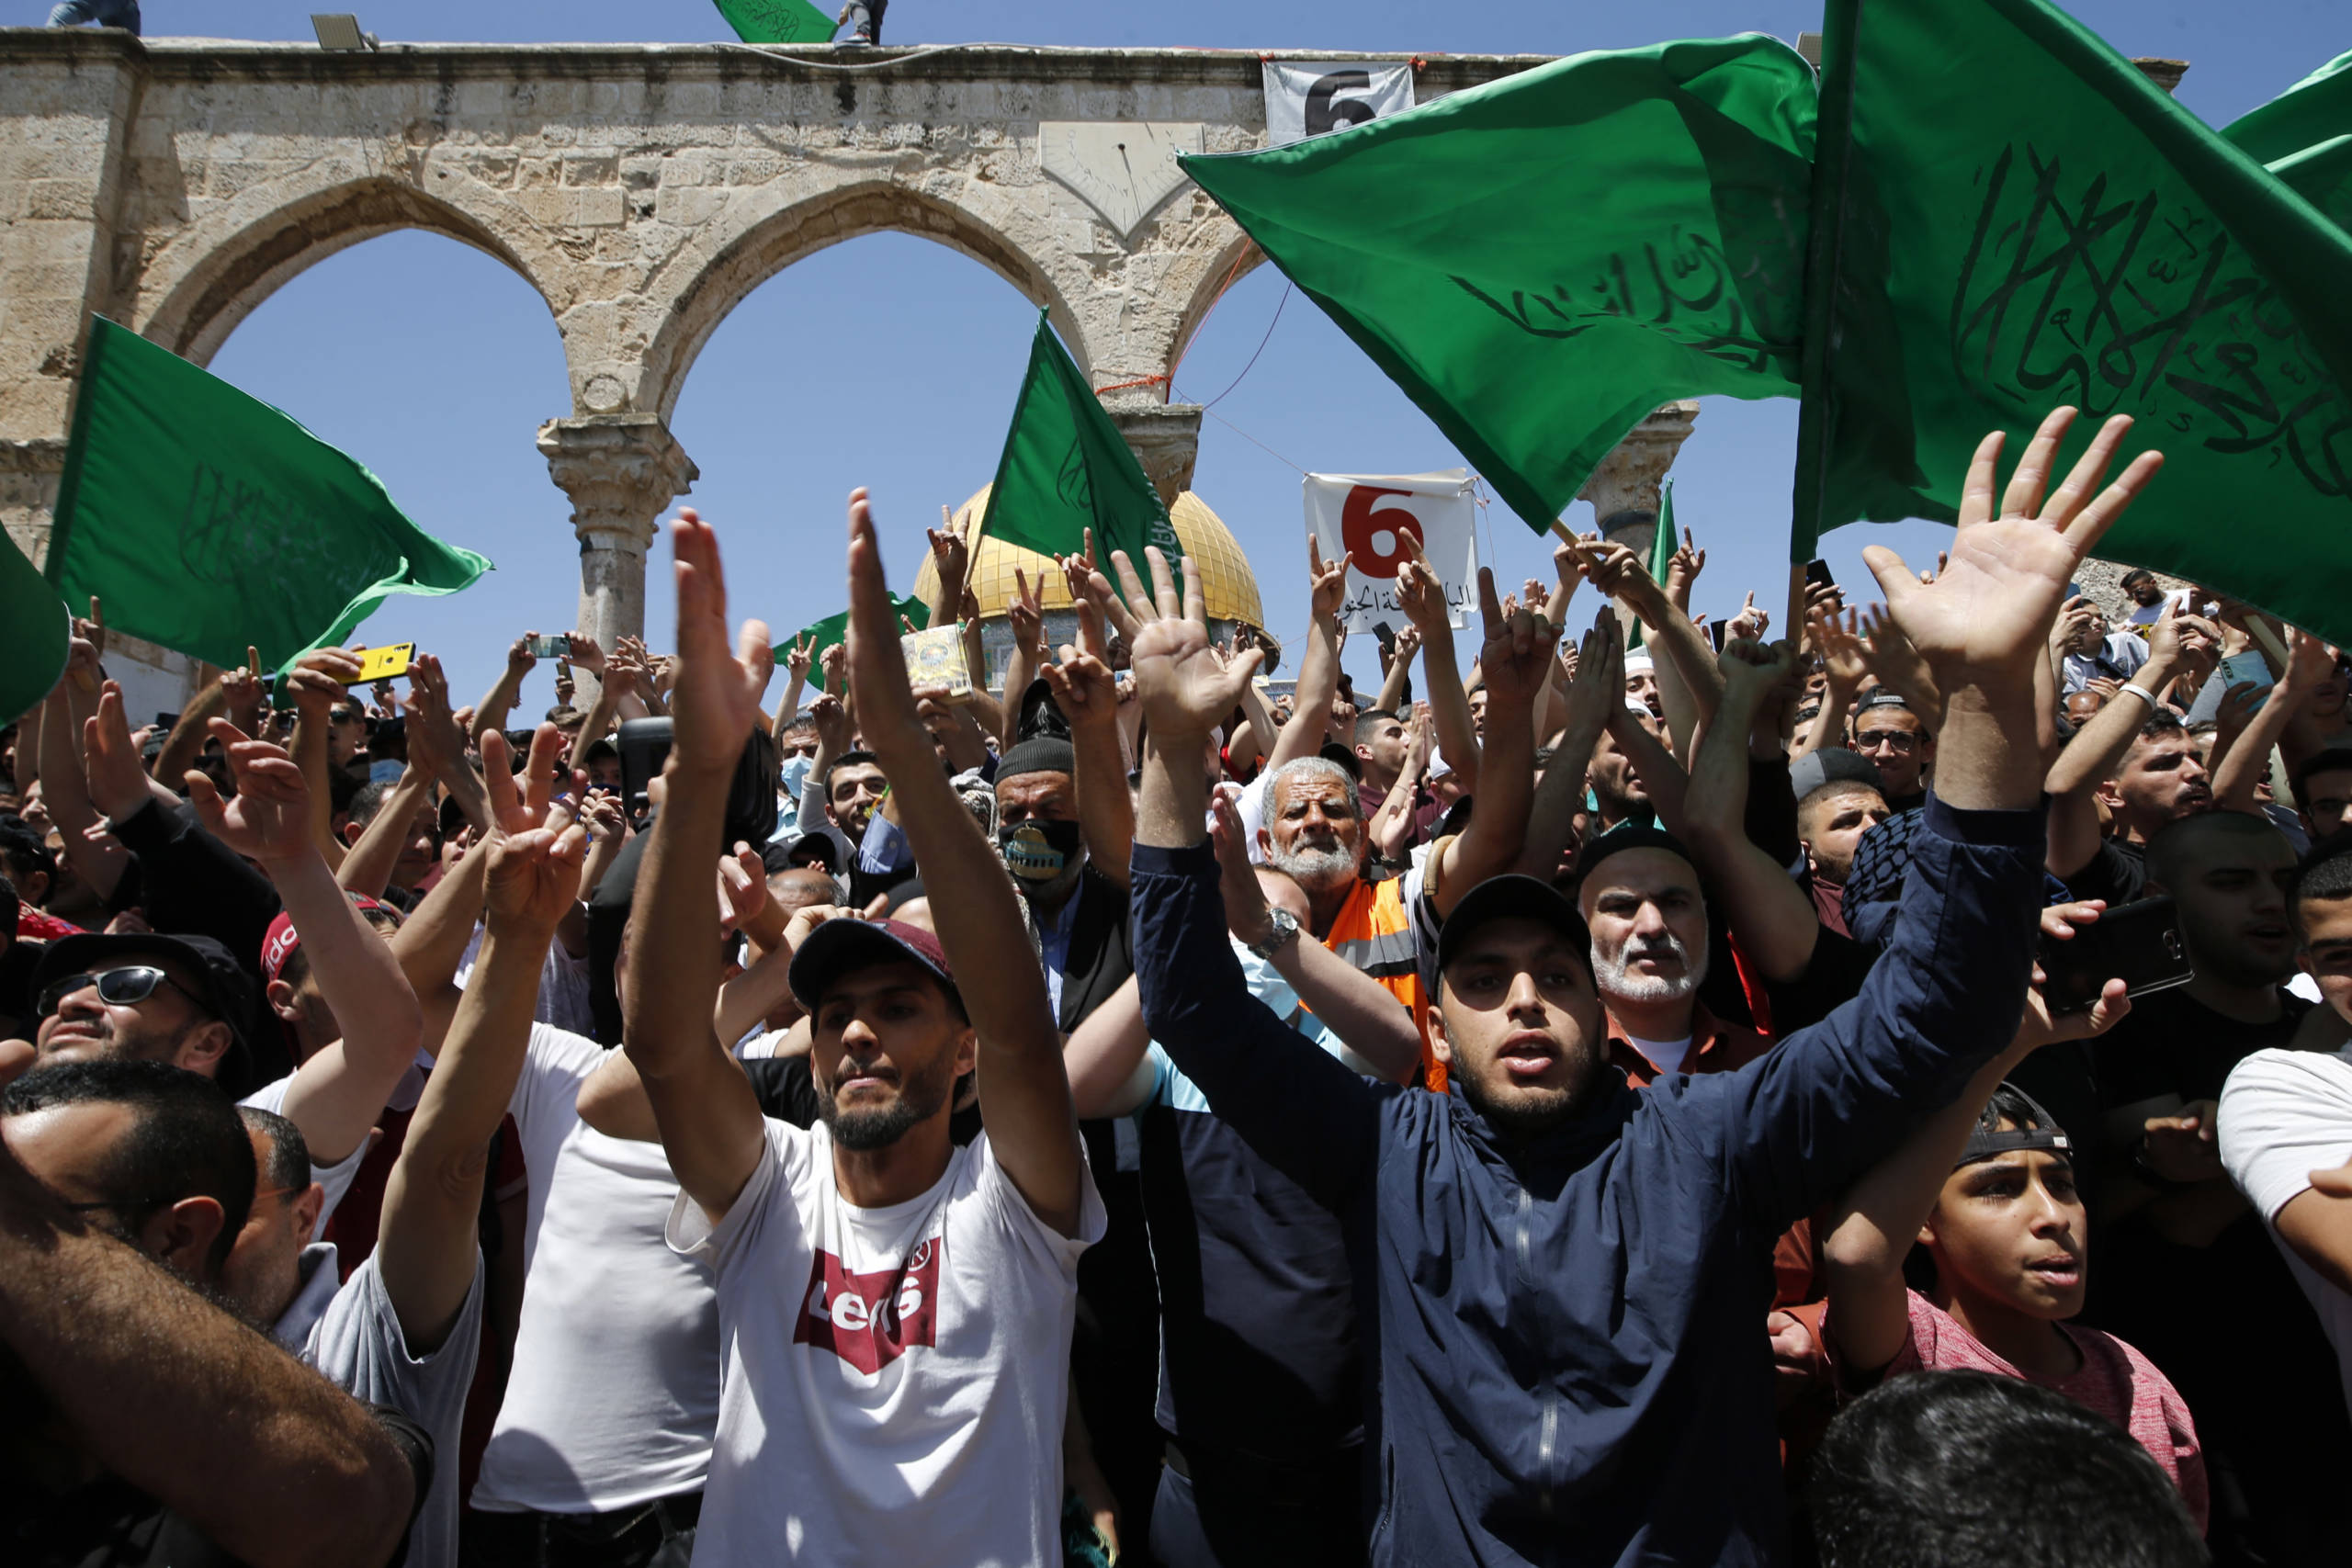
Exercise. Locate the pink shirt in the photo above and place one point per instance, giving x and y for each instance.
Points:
(2114, 1380)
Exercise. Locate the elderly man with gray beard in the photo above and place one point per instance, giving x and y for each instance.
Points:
(1640, 894)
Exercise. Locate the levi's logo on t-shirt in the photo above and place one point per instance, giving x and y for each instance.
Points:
(870, 1320)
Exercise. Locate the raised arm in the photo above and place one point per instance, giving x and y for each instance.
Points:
(1310, 1116)
(273, 1463)
(1422, 597)
(711, 1126)
(1597, 691)
(2073, 780)
(1516, 658)
(499, 700)
(336, 1096)
(1318, 666)
(427, 1250)
(1836, 1098)
(1088, 695)
(1618, 573)
(1872, 1230)
(1397, 679)
(1767, 913)
(65, 788)
(2246, 764)
(1025, 1094)
(954, 559)
(316, 684)
(367, 865)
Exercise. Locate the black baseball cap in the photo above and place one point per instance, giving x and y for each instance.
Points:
(222, 983)
(1348, 761)
(844, 946)
(1512, 897)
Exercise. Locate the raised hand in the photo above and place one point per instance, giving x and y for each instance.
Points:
(436, 743)
(1245, 914)
(1516, 658)
(244, 696)
(1900, 666)
(1420, 594)
(1185, 690)
(877, 665)
(520, 659)
(1327, 584)
(532, 876)
(1839, 641)
(1408, 643)
(320, 680)
(1980, 622)
(833, 665)
(1617, 571)
(588, 653)
(117, 780)
(1083, 688)
(715, 700)
(269, 817)
(1683, 570)
(1750, 623)
(831, 716)
(1598, 684)
(803, 649)
(1027, 613)
(518, 811)
(742, 887)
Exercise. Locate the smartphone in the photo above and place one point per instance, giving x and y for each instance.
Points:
(2137, 943)
(1816, 571)
(644, 745)
(1386, 635)
(383, 663)
(2236, 671)
(1716, 629)
(559, 646)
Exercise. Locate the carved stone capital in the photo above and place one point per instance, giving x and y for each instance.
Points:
(620, 471)
(1624, 489)
(1166, 439)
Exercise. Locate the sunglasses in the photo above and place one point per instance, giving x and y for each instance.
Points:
(116, 987)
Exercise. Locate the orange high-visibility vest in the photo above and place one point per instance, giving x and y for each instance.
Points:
(1373, 932)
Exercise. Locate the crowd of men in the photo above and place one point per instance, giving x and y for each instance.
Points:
(1635, 1103)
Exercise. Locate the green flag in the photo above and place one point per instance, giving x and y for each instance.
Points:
(1542, 261)
(777, 21)
(2011, 216)
(1066, 468)
(207, 520)
(2304, 136)
(832, 629)
(34, 628)
(1661, 546)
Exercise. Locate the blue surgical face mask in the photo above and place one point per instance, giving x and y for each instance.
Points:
(795, 775)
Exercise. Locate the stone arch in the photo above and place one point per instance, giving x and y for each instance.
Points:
(1203, 276)
(765, 245)
(233, 272)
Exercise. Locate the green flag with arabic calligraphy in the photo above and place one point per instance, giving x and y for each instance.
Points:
(2010, 216)
(1066, 468)
(207, 521)
(912, 612)
(777, 21)
(1540, 261)
(2304, 136)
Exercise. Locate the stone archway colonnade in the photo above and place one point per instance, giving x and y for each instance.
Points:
(642, 190)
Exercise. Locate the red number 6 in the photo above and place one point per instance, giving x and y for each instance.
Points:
(1359, 522)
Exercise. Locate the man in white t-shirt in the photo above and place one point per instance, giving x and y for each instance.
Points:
(895, 1312)
(2285, 1116)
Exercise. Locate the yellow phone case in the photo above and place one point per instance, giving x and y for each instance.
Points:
(383, 663)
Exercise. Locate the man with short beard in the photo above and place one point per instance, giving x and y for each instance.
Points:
(1641, 899)
(908, 1302)
(1556, 1271)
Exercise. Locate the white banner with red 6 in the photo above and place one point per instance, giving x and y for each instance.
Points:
(1367, 516)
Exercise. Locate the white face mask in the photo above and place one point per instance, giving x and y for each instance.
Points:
(795, 776)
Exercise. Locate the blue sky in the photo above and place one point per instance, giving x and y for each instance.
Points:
(892, 362)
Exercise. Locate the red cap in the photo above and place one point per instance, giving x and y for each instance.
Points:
(281, 941)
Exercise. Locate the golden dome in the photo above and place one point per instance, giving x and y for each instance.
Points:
(1227, 583)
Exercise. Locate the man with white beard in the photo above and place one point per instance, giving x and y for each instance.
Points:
(1640, 895)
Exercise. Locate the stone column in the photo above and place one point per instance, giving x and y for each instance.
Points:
(621, 472)
(1166, 439)
(1624, 489)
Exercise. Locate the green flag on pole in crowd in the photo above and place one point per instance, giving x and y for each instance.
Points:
(833, 629)
(2304, 137)
(34, 626)
(1066, 468)
(2010, 216)
(208, 521)
(1661, 546)
(1539, 262)
(777, 21)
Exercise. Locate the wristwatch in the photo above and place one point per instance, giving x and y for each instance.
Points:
(1285, 932)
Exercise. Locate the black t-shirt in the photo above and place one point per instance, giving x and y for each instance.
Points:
(2118, 873)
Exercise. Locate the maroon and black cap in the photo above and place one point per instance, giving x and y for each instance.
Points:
(846, 946)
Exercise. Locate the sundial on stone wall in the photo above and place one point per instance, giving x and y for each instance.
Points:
(1124, 169)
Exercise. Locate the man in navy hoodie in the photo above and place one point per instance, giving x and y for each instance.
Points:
(1556, 1275)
